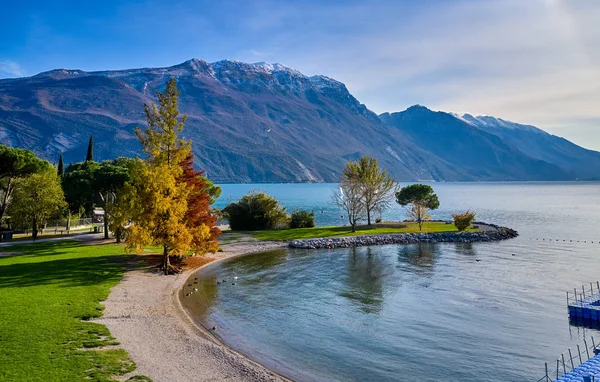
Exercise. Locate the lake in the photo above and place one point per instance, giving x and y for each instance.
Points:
(429, 312)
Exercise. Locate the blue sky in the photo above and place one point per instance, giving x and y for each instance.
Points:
(530, 61)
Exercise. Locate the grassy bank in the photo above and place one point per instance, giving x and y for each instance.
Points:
(319, 232)
(47, 292)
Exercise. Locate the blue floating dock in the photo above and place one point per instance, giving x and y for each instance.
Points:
(584, 305)
(587, 371)
(587, 309)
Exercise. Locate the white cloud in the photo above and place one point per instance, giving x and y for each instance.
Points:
(11, 69)
(535, 62)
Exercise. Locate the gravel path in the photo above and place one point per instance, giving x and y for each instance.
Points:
(144, 314)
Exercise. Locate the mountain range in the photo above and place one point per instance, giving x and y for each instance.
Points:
(266, 122)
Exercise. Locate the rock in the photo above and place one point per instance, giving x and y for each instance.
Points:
(501, 233)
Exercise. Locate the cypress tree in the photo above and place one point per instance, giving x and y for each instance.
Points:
(90, 151)
(61, 167)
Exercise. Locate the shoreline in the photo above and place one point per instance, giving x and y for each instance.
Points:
(487, 233)
(143, 312)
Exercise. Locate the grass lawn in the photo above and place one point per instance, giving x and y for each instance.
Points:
(49, 234)
(47, 292)
(307, 233)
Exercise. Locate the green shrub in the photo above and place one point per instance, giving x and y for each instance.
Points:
(464, 220)
(255, 211)
(302, 219)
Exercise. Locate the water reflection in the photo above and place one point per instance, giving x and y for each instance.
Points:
(465, 249)
(363, 282)
(418, 258)
(262, 267)
(201, 293)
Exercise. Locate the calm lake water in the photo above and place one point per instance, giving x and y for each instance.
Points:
(426, 312)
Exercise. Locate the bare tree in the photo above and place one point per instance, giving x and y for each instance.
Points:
(349, 197)
(377, 187)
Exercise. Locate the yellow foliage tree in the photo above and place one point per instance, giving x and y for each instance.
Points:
(159, 201)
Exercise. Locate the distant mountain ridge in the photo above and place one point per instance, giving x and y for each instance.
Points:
(266, 122)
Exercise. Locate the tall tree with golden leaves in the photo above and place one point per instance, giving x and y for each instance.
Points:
(160, 199)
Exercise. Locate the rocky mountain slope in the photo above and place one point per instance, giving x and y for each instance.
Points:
(482, 154)
(268, 123)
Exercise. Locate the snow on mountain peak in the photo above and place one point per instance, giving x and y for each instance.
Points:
(261, 67)
(490, 123)
(321, 82)
(276, 67)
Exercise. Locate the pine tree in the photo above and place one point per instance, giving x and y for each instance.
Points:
(160, 200)
(61, 167)
(90, 150)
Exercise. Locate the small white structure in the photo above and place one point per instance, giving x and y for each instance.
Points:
(98, 215)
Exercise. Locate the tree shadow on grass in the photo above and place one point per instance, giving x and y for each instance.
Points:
(83, 271)
(58, 247)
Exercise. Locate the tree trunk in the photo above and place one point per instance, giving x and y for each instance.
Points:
(3, 206)
(34, 231)
(118, 235)
(68, 220)
(105, 226)
(105, 218)
(166, 263)
(368, 216)
(353, 226)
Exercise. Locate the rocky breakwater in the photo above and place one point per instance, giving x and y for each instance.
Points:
(500, 233)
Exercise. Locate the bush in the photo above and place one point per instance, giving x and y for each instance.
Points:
(464, 220)
(255, 211)
(302, 219)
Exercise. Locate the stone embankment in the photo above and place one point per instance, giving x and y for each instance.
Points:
(496, 234)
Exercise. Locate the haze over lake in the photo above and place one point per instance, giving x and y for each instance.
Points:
(429, 311)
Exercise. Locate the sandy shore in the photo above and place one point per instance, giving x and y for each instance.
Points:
(144, 314)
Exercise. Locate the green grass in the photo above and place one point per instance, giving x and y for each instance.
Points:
(318, 232)
(23, 237)
(47, 294)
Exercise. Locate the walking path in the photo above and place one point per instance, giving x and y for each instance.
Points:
(144, 314)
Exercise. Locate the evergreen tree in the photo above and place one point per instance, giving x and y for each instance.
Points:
(90, 150)
(61, 167)
(108, 181)
(418, 199)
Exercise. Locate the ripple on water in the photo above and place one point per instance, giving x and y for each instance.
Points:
(424, 312)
